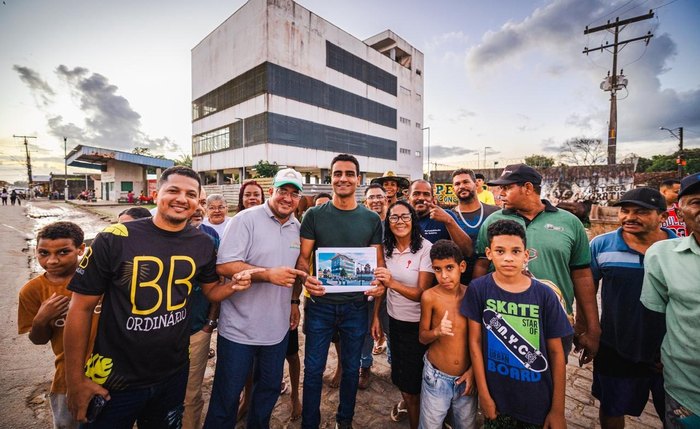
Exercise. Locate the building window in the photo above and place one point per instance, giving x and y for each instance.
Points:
(418, 96)
(211, 141)
(405, 121)
(344, 62)
(239, 89)
(405, 151)
(127, 186)
(288, 131)
(405, 91)
(418, 72)
(418, 153)
(418, 125)
(296, 86)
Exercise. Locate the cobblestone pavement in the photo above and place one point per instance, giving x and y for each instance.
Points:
(373, 405)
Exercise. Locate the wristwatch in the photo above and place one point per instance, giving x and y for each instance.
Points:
(296, 301)
(212, 323)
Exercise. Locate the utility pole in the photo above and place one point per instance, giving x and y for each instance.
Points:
(29, 163)
(680, 161)
(65, 169)
(616, 82)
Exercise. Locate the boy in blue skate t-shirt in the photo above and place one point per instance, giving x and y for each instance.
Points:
(515, 328)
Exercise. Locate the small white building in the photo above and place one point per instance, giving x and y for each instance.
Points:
(122, 172)
(303, 90)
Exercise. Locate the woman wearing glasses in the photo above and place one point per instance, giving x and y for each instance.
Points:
(407, 274)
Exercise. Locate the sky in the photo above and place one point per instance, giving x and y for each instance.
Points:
(503, 79)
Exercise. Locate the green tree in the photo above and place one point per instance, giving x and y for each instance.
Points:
(265, 169)
(539, 161)
(185, 159)
(668, 162)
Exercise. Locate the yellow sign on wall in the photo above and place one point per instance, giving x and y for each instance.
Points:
(445, 195)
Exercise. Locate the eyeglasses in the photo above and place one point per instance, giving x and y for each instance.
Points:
(296, 195)
(217, 208)
(406, 218)
(376, 197)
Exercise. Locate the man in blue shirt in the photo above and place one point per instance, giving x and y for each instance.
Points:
(627, 365)
(436, 223)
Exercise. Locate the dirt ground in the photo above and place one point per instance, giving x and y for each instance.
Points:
(26, 370)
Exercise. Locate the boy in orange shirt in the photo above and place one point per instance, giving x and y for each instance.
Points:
(43, 303)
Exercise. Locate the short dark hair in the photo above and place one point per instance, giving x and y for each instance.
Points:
(346, 157)
(479, 176)
(446, 249)
(505, 227)
(322, 195)
(466, 171)
(58, 230)
(136, 212)
(182, 171)
(423, 181)
(373, 186)
(668, 183)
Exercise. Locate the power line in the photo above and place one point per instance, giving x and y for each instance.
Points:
(614, 83)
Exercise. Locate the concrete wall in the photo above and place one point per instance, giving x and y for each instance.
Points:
(597, 183)
(118, 172)
(284, 33)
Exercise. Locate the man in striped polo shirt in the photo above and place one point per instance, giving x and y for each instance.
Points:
(627, 366)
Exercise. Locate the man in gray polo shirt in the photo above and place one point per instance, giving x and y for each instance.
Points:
(254, 324)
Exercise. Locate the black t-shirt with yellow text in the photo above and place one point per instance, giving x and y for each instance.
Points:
(146, 275)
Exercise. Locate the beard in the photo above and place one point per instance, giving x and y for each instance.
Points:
(468, 198)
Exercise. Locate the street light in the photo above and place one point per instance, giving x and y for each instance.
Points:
(242, 177)
(486, 147)
(65, 169)
(423, 129)
(680, 161)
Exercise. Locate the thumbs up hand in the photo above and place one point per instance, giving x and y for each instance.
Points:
(445, 326)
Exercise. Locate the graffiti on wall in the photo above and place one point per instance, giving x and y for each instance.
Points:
(597, 183)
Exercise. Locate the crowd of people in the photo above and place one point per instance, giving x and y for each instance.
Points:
(478, 306)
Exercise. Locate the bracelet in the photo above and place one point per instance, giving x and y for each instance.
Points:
(211, 323)
(296, 301)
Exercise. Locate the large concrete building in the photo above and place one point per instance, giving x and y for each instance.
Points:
(303, 90)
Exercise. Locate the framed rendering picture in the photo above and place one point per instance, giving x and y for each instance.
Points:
(346, 269)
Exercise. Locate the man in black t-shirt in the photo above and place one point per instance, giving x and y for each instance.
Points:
(144, 269)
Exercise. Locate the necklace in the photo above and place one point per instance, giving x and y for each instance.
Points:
(478, 221)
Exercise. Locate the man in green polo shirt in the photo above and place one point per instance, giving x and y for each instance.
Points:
(672, 286)
(558, 248)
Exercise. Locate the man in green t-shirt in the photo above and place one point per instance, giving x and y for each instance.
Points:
(672, 286)
(340, 222)
(558, 248)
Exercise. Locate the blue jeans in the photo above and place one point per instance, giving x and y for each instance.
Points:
(154, 407)
(438, 393)
(366, 358)
(321, 321)
(233, 365)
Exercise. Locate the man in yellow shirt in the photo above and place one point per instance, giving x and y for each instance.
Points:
(482, 191)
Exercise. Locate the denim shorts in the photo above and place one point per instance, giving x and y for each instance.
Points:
(678, 416)
(439, 393)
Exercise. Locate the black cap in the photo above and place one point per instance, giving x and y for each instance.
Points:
(644, 197)
(517, 173)
(690, 184)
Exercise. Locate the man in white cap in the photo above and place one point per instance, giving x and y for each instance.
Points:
(254, 324)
